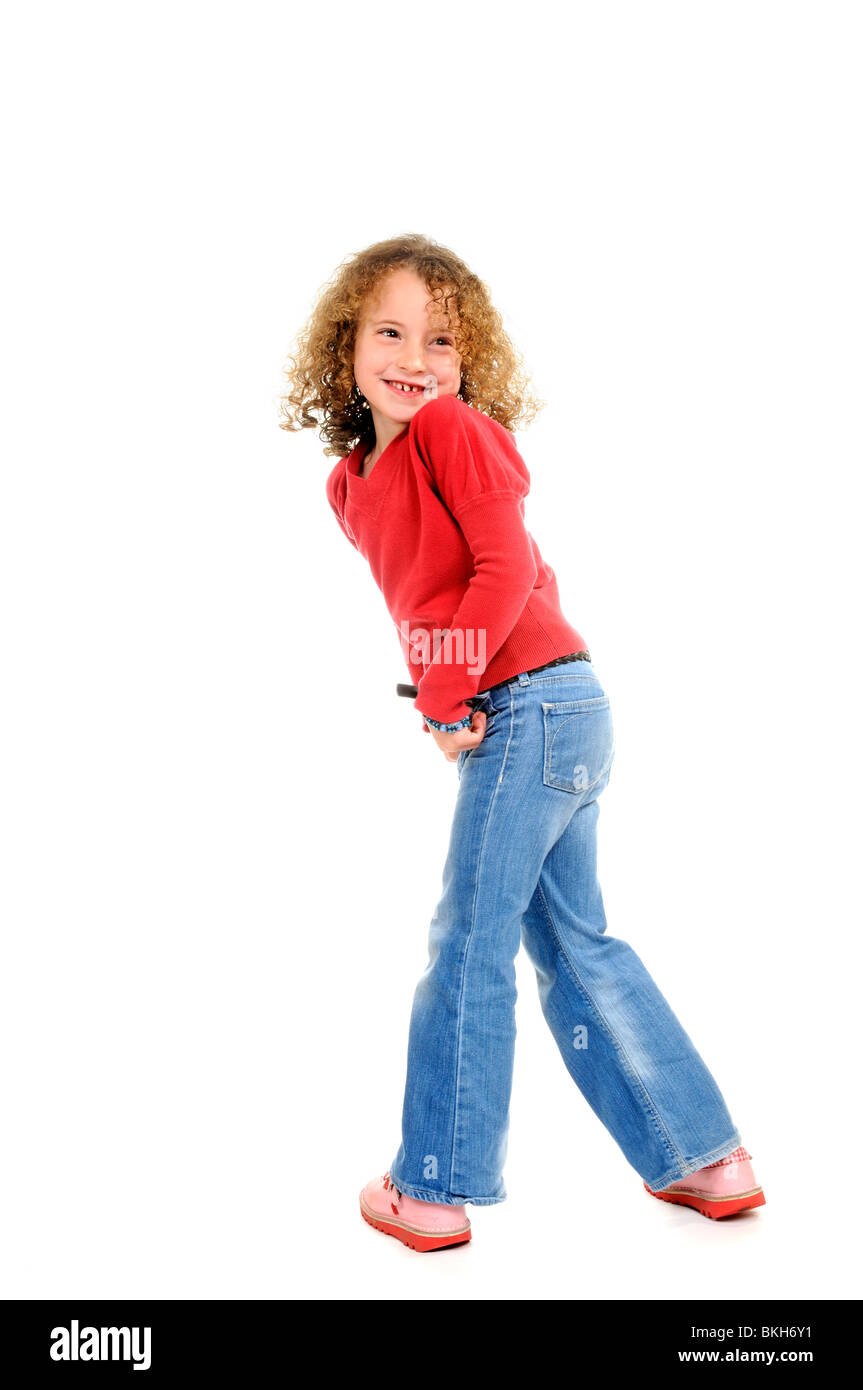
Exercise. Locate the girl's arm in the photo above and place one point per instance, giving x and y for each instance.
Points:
(482, 479)
(504, 575)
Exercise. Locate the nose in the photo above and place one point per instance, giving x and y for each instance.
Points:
(412, 359)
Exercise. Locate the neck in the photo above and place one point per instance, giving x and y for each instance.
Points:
(386, 430)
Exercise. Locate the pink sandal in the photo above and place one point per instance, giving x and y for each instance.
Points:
(721, 1189)
(419, 1225)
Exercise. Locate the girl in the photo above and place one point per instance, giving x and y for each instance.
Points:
(407, 369)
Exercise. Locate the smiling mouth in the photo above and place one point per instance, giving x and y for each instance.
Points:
(404, 390)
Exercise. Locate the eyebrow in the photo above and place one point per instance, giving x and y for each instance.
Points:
(442, 329)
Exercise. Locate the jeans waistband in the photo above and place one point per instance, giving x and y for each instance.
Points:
(410, 691)
(523, 677)
(558, 661)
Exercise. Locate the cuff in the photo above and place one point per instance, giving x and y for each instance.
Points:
(449, 728)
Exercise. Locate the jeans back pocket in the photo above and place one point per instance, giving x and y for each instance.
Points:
(579, 743)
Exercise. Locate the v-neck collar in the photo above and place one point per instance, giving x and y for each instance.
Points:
(368, 493)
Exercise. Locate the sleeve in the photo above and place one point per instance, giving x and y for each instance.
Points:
(336, 492)
(483, 480)
(467, 453)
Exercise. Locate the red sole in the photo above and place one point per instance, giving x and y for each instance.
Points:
(415, 1240)
(717, 1208)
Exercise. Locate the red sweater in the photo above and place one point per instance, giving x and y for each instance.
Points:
(440, 520)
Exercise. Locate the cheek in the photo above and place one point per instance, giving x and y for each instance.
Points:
(450, 371)
(363, 362)
(364, 348)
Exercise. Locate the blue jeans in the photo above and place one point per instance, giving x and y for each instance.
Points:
(521, 865)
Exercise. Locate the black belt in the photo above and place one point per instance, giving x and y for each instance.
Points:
(410, 691)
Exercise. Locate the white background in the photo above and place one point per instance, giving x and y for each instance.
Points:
(223, 834)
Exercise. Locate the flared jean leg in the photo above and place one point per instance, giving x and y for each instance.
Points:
(461, 1043)
(622, 1044)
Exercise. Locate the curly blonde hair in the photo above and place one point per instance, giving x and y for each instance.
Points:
(319, 374)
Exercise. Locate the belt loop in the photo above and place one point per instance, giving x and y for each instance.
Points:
(523, 678)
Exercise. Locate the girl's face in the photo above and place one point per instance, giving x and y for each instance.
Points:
(401, 336)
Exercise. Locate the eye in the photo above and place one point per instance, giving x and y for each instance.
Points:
(441, 338)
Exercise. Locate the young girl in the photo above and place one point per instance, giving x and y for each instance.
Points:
(417, 389)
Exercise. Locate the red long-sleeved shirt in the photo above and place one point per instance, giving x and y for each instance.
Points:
(440, 520)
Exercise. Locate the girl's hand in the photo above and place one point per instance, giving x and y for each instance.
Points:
(453, 744)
